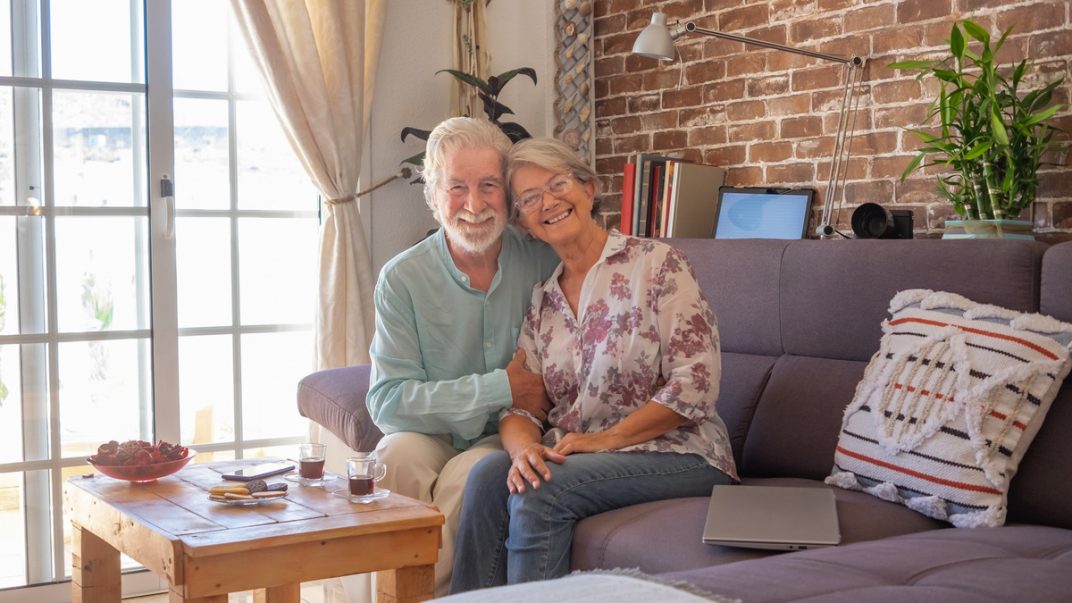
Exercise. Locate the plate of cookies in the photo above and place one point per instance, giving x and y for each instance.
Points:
(254, 492)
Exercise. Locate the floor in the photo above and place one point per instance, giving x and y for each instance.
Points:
(323, 591)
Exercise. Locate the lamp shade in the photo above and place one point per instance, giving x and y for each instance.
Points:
(655, 41)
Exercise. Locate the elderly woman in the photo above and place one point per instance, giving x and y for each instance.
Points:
(628, 350)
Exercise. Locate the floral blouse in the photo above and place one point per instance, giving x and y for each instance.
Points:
(645, 332)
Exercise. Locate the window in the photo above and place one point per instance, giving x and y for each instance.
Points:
(125, 313)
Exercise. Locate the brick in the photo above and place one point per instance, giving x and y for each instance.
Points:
(619, 43)
(1054, 184)
(794, 174)
(609, 66)
(744, 176)
(1033, 17)
(787, 10)
(653, 122)
(815, 148)
(711, 135)
(682, 10)
(742, 110)
(622, 84)
(904, 116)
(703, 116)
(890, 166)
(723, 91)
(869, 191)
(658, 80)
(897, 91)
(775, 34)
(705, 71)
(760, 131)
(870, 17)
(744, 18)
(716, 48)
(725, 156)
(800, 127)
(608, 25)
(746, 64)
(862, 122)
(806, 31)
(632, 144)
(769, 151)
(893, 40)
(767, 86)
(917, 191)
(602, 89)
(625, 125)
(1062, 215)
(675, 139)
(604, 146)
(815, 78)
(643, 103)
(909, 11)
(788, 105)
(610, 107)
(609, 165)
(682, 97)
(827, 5)
(785, 61)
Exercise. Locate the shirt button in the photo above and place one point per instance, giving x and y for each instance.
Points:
(487, 344)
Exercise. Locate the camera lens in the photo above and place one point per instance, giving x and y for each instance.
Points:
(872, 221)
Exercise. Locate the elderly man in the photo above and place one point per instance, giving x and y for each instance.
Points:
(448, 312)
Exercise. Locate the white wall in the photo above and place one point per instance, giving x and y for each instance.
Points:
(416, 44)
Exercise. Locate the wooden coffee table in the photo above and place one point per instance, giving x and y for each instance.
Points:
(207, 549)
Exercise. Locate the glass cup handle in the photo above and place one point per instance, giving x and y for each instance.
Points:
(381, 471)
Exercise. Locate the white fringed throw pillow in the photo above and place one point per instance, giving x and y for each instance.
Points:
(949, 404)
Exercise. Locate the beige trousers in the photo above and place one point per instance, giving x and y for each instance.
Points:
(430, 469)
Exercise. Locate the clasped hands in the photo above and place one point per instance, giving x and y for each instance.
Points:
(529, 466)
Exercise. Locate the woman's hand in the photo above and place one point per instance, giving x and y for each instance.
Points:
(529, 467)
(586, 442)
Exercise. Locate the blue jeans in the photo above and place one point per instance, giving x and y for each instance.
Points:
(508, 538)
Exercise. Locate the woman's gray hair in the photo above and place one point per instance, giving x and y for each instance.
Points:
(552, 155)
(451, 135)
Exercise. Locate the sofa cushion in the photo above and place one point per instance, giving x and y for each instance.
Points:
(1056, 296)
(1025, 564)
(666, 535)
(949, 405)
(335, 398)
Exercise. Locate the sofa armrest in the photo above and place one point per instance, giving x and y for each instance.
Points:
(335, 399)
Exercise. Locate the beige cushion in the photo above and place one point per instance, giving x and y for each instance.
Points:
(949, 404)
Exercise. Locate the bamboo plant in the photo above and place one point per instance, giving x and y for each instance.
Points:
(991, 137)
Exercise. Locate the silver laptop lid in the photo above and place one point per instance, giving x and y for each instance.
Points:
(772, 517)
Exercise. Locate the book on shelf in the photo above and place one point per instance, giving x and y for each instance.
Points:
(694, 202)
(646, 191)
(628, 182)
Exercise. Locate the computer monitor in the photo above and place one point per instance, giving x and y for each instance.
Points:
(762, 213)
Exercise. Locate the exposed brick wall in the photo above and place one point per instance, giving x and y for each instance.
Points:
(770, 117)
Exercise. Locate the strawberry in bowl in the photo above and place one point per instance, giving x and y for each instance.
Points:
(139, 461)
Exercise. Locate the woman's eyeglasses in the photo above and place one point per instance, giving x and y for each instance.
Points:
(557, 186)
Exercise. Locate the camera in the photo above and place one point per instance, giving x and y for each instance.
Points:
(872, 221)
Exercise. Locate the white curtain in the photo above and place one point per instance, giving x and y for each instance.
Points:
(319, 61)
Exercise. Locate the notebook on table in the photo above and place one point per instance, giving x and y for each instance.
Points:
(772, 517)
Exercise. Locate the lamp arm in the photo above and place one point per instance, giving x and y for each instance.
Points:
(691, 27)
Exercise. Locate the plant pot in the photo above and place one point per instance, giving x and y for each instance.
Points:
(989, 229)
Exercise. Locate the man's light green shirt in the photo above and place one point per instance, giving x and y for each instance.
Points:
(441, 347)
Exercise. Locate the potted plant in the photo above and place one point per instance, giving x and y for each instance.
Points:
(488, 91)
(991, 137)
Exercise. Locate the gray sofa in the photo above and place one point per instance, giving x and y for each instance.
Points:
(798, 322)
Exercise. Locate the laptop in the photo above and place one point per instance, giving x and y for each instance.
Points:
(762, 213)
(772, 517)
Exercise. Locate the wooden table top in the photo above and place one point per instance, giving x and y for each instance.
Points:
(177, 508)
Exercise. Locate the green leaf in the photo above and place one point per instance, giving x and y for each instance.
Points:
(924, 136)
(506, 76)
(997, 129)
(956, 42)
(422, 134)
(977, 150)
(912, 166)
(1042, 116)
(468, 79)
(910, 65)
(514, 131)
(977, 32)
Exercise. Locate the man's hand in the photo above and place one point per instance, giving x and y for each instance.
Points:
(529, 467)
(586, 442)
(526, 388)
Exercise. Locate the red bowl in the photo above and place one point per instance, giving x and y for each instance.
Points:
(143, 473)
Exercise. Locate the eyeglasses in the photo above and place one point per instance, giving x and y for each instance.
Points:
(560, 185)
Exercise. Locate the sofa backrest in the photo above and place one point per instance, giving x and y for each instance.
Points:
(799, 320)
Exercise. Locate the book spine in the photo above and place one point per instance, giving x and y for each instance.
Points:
(628, 182)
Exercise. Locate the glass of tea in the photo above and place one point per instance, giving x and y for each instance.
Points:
(311, 461)
(363, 471)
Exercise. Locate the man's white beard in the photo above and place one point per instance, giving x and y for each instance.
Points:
(475, 233)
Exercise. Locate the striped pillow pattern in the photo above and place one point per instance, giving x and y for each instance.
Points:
(949, 404)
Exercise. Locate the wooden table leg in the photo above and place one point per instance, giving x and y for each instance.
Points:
(95, 574)
(406, 585)
(286, 593)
